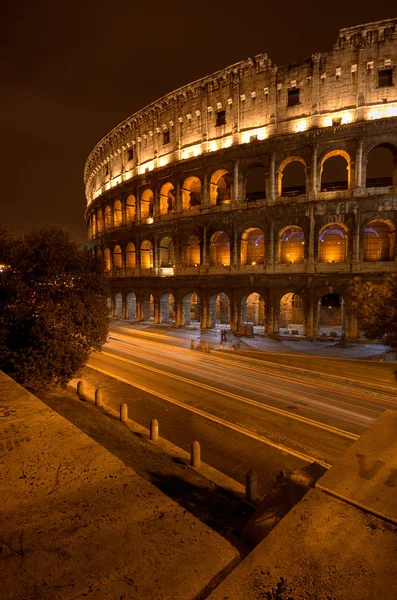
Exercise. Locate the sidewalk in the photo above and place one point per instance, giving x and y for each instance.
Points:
(76, 521)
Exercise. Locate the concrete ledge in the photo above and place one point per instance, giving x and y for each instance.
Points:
(76, 521)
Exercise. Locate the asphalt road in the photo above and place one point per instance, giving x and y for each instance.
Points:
(244, 415)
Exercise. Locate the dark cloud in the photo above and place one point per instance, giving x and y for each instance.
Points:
(70, 72)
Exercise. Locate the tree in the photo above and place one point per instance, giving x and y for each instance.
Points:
(53, 307)
(376, 308)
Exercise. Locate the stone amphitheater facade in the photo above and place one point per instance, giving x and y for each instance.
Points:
(254, 194)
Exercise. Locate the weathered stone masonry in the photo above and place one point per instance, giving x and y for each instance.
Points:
(256, 193)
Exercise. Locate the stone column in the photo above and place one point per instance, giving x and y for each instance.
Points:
(236, 192)
(311, 235)
(206, 200)
(156, 252)
(272, 194)
(356, 237)
(123, 307)
(179, 321)
(156, 201)
(235, 249)
(156, 311)
(124, 211)
(178, 196)
(138, 205)
(205, 314)
(313, 186)
(270, 259)
(359, 165)
(204, 253)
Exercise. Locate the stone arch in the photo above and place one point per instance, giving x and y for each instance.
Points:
(220, 187)
(220, 249)
(191, 252)
(130, 256)
(117, 258)
(331, 315)
(106, 260)
(332, 243)
(117, 213)
(166, 249)
(219, 309)
(292, 177)
(191, 309)
(108, 217)
(191, 193)
(291, 313)
(253, 309)
(380, 165)
(379, 241)
(255, 183)
(147, 202)
(147, 307)
(131, 306)
(167, 198)
(146, 255)
(118, 306)
(252, 250)
(130, 209)
(335, 168)
(167, 308)
(291, 245)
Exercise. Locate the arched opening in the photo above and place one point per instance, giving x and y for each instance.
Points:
(191, 309)
(167, 199)
(191, 252)
(166, 252)
(219, 310)
(291, 245)
(220, 188)
(93, 221)
(331, 315)
(99, 217)
(253, 310)
(117, 259)
(252, 250)
(106, 260)
(146, 255)
(291, 314)
(108, 217)
(130, 205)
(130, 256)
(117, 213)
(147, 202)
(332, 244)
(335, 171)
(255, 183)
(191, 193)
(118, 306)
(379, 241)
(220, 249)
(380, 166)
(292, 177)
(131, 306)
(167, 308)
(147, 307)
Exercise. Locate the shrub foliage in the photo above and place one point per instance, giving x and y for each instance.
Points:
(376, 308)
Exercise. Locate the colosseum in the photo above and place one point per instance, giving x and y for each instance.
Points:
(255, 194)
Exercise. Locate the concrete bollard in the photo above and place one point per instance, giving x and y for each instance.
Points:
(251, 486)
(191, 344)
(195, 454)
(123, 412)
(98, 397)
(154, 430)
(80, 390)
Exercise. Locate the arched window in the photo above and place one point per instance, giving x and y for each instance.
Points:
(117, 213)
(332, 244)
(379, 241)
(252, 247)
(335, 171)
(108, 217)
(147, 201)
(146, 255)
(191, 309)
(220, 249)
(167, 199)
(106, 260)
(292, 177)
(130, 204)
(255, 183)
(191, 252)
(291, 245)
(117, 259)
(291, 312)
(191, 193)
(220, 187)
(93, 220)
(130, 256)
(380, 166)
(166, 252)
(99, 216)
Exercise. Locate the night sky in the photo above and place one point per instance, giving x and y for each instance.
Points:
(71, 72)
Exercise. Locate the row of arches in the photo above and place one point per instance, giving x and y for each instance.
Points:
(290, 317)
(379, 244)
(292, 180)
